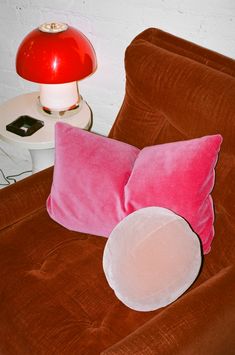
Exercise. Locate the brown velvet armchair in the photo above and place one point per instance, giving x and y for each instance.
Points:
(54, 298)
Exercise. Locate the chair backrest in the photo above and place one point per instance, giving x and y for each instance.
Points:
(177, 90)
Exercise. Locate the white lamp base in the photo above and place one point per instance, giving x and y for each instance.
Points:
(59, 97)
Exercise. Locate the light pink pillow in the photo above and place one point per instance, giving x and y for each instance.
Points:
(98, 181)
(151, 258)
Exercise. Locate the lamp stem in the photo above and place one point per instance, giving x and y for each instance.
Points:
(59, 97)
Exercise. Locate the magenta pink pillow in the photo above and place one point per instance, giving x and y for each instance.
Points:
(98, 181)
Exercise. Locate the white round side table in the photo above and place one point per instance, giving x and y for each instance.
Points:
(41, 143)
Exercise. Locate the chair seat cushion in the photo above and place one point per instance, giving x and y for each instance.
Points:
(54, 298)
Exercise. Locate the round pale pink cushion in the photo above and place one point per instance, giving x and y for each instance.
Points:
(151, 258)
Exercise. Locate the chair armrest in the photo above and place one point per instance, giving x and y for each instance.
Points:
(24, 197)
(200, 322)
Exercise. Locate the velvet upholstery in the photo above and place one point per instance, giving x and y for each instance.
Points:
(151, 258)
(54, 298)
(178, 175)
(90, 198)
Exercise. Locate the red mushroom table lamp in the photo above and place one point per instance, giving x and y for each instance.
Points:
(56, 56)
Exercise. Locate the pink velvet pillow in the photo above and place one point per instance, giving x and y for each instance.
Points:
(151, 258)
(90, 175)
(98, 181)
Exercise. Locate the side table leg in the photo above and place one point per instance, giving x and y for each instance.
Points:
(41, 158)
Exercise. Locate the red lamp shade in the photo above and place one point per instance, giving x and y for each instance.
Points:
(55, 53)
